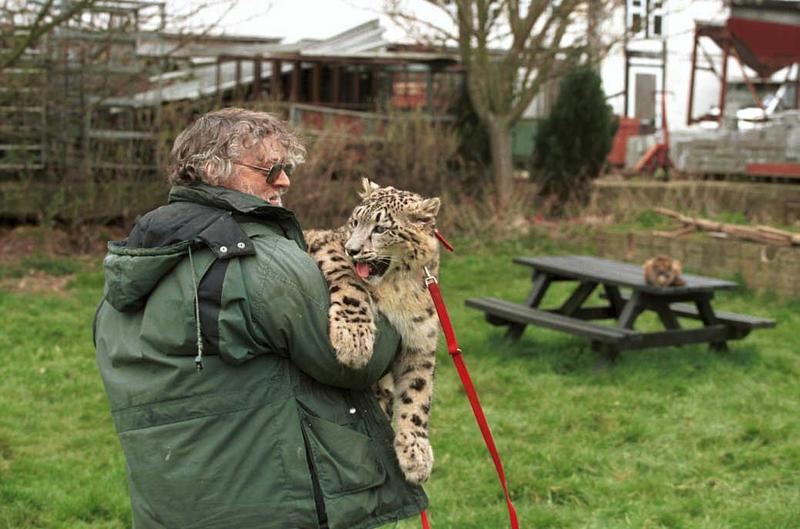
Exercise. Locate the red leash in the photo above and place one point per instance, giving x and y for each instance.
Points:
(424, 516)
(472, 395)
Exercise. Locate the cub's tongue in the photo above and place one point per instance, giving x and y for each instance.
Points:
(362, 269)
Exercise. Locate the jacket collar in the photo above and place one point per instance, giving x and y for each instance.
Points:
(228, 199)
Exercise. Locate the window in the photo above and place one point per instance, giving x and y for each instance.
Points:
(646, 18)
(657, 25)
(636, 24)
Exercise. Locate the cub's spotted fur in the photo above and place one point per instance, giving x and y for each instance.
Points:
(375, 262)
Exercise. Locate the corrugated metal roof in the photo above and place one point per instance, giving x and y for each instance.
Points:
(202, 82)
(365, 41)
(155, 44)
(364, 37)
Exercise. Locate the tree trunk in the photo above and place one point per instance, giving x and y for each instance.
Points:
(502, 168)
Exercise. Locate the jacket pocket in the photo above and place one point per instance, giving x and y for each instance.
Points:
(227, 469)
(344, 459)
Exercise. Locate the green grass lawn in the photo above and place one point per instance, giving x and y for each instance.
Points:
(672, 438)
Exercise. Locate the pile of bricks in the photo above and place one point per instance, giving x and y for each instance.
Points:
(727, 152)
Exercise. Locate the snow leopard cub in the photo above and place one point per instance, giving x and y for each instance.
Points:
(376, 262)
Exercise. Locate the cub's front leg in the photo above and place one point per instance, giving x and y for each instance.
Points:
(351, 323)
(351, 326)
(413, 379)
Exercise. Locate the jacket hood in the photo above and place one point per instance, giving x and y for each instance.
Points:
(197, 216)
(132, 273)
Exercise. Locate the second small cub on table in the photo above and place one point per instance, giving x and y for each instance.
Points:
(663, 271)
(376, 262)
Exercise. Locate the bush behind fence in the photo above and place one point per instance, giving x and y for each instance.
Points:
(413, 153)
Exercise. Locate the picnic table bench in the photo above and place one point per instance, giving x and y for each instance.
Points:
(692, 300)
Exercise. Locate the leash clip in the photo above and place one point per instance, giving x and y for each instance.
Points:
(429, 278)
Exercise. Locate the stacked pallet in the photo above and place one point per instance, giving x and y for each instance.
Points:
(22, 108)
(729, 152)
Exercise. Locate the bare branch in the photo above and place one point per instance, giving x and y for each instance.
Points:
(44, 21)
(544, 66)
(445, 8)
(502, 83)
(412, 24)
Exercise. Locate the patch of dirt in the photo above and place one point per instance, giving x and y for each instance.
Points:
(37, 282)
(21, 241)
(40, 260)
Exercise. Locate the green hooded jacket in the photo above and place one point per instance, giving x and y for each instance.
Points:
(272, 432)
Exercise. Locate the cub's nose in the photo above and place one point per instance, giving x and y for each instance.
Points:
(352, 252)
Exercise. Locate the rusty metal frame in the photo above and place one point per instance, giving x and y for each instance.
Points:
(722, 37)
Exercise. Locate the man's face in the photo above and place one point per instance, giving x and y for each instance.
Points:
(254, 182)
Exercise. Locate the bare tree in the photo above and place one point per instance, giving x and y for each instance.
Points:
(509, 49)
(24, 23)
(71, 76)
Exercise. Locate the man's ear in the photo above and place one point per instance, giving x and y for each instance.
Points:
(426, 211)
(367, 188)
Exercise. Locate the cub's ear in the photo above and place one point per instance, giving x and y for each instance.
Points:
(367, 188)
(677, 267)
(425, 212)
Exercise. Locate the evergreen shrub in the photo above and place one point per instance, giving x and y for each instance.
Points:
(573, 141)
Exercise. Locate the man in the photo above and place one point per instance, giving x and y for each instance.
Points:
(211, 339)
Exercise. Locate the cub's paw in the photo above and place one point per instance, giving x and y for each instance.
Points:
(352, 342)
(415, 456)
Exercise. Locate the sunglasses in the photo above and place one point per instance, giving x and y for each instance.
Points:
(271, 173)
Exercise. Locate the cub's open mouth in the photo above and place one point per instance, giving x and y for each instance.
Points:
(367, 269)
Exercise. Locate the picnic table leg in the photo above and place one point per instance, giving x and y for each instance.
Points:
(626, 317)
(708, 318)
(614, 299)
(665, 314)
(541, 282)
(631, 311)
(608, 354)
(626, 314)
(577, 299)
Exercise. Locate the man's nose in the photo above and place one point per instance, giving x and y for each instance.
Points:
(282, 180)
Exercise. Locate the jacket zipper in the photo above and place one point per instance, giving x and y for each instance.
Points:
(319, 503)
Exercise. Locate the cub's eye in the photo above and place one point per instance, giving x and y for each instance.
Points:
(354, 223)
(379, 229)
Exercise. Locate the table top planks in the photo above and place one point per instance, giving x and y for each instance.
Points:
(608, 272)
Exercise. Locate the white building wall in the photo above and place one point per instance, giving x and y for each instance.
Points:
(678, 31)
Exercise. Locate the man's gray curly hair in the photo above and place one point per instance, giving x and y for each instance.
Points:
(206, 150)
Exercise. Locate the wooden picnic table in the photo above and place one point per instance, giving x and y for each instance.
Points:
(693, 300)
